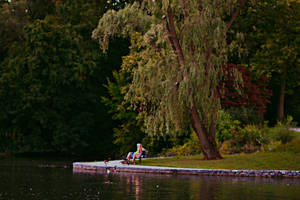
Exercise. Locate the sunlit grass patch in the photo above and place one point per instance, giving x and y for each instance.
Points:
(254, 161)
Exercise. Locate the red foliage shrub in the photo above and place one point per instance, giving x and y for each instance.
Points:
(254, 91)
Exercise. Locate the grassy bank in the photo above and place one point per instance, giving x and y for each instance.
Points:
(254, 161)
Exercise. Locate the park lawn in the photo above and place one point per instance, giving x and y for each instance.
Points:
(296, 134)
(254, 161)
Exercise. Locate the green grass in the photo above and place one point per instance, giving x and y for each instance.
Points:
(254, 161)
(296, 134)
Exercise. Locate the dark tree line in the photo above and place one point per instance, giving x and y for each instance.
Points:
(54, 93)
(52, 75)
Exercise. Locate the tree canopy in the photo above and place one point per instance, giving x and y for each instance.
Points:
(177, 79)
(51, 81)
(186, 61)
(273, 49)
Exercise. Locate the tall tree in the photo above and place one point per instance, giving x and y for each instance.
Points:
(279, 54)
(51, 83)
(40, 86)
(176, 81)
(273, 45)
(15, 15)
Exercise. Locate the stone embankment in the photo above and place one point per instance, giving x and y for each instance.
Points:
(118, 167)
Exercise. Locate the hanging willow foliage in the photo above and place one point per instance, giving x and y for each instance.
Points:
(180, 69)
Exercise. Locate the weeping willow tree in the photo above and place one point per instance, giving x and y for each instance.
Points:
(177, 81)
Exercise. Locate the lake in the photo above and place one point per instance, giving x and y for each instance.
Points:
(36, 178)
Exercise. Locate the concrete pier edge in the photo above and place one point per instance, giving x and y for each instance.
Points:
(117, 167)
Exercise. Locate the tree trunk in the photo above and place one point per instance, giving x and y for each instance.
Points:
(207, 139)
(282, 95)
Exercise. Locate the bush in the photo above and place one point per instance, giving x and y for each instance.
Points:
(248, 139)
(228, 147)
(292, 146)
(252, 134)
(226, 127)
(272, 146)
(281, 132)
(158, 145)
(235, 139)
(190, 147)
(246, 115)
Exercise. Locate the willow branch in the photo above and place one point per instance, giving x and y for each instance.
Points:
(184, 5)
(170, 41)
(170, 16)
(242, 3)
(169, 37)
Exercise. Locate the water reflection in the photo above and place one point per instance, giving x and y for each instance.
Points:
(26, 181)
(167, 187)
(133, 185)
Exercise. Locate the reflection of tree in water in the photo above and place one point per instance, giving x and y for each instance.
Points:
(133, 185)
(202, 188)
(258, 188)
(167, 187)
(108, 179)
(175, 188)
(209, 189)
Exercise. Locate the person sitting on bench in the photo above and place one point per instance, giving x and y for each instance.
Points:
(135, 155)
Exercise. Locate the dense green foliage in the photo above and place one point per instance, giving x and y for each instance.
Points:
(273, 40)
(60, 93)
(13, 18)
(184, 48)
(43, 77)
(130, 130)
(51, 84)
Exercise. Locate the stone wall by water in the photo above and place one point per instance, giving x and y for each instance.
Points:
(117, 167)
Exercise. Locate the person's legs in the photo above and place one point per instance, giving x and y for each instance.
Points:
(129, 156)
(133, 159)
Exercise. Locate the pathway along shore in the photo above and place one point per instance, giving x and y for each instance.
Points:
(116, 166)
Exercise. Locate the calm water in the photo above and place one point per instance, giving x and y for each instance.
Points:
(38, 179)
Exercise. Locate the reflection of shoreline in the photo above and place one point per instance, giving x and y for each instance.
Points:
(132, 182)
(162, 176)
(133, 185)
(18, 179)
